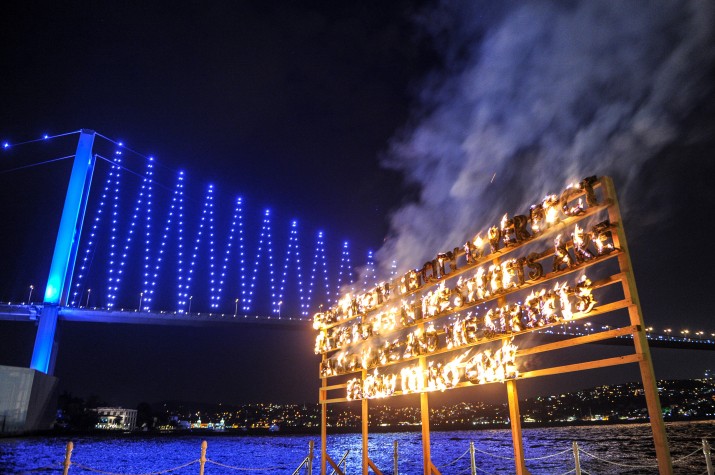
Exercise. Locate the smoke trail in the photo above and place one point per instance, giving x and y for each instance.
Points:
(548, 93)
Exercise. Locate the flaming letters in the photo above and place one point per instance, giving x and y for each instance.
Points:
(485, 367)
(470, 295)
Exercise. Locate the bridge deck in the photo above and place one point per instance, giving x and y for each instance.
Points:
(21, 312)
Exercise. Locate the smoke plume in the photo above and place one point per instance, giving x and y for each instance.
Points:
(534, 96)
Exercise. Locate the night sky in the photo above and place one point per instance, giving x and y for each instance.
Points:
(367, 120)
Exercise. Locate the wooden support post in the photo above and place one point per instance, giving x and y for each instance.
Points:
(311, 454)
(323, 425)
(650, 385)
(365, 458)
(515, 417)
(394, 458)
(426, 455)
(202, 459)
(68, 457)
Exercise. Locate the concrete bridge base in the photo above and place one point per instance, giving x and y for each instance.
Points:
(28, 400)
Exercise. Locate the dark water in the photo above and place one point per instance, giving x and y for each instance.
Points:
(622, 445)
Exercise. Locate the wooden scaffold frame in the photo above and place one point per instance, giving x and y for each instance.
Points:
(573, 256)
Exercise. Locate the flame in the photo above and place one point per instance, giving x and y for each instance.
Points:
(412, 379)
(551, 210)
(586, 302)
(507, 273)
(564, 302)
(321, 342)
(488, 367)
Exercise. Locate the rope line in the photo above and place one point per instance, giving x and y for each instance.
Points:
(455, 460)
(617, 463)
(674, 462)
(277, 467)
(526, 459)
(493, 455)
(549, 456)
(90, 469)
(35, 164)
(570, 471)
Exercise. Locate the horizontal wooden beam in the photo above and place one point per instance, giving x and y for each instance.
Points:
(581, 340)
(618, 360)
(337, 399)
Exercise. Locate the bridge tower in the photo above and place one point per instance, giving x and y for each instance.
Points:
(65, 253)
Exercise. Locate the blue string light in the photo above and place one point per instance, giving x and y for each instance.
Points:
(345, 270)
(151, 276)
(237, 215)
(326, 280)
(112, 272)
(370, 274)
(318, 256)
(189, 274)
(90, 246)
(292, 250)
(141, 204)
(149, 183)
(180, 251)
(265, 236)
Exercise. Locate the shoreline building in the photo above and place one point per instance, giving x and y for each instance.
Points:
(116, 418)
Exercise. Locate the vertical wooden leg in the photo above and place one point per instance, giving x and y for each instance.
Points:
(426, 454)
(515, 417)
(364, 438)
(652, 399)
(630, 292)
(322, 397)
(323, 434)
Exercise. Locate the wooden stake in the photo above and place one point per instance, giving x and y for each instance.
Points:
(202, 459)
(365, 458)
(515, 418)
(576, 458)
(394, 456)
(471, 457)
(68, 458)
(323, 424)
(426, 454)
(708, 460)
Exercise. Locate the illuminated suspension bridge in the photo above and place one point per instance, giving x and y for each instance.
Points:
(141, 247)
(137, 244)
